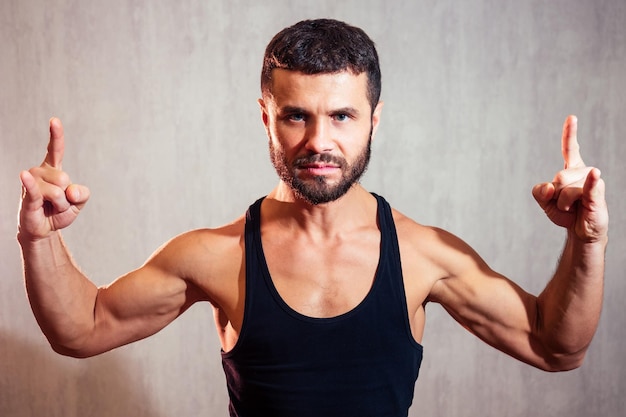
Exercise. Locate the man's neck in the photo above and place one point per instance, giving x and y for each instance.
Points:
(353, 209)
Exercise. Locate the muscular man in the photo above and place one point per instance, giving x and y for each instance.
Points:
(319, 289)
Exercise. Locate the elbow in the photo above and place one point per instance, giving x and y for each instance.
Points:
(560, 349)
(562, 365)
(70, 352)
(557, 361)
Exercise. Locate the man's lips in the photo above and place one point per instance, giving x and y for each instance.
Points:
(318, 165)
(318, 168)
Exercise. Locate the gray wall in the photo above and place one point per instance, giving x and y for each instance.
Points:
(158, 101)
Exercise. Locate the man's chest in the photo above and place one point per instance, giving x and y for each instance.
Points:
(323, 280)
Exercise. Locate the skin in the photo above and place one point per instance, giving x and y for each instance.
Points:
(323, 257)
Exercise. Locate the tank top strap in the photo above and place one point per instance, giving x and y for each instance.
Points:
(387, 226)
(391, 261)
(253, 253)
(390, 251)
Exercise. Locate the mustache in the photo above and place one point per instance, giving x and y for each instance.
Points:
(319, 158)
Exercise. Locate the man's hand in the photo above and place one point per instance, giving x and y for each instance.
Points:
(575, 197)
(49, 199)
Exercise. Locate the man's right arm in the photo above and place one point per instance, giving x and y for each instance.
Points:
(78, 318)
(82, 320)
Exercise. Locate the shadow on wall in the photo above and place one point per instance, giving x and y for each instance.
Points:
(35, 382)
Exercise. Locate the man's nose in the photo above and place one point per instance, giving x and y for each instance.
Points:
(319, 136)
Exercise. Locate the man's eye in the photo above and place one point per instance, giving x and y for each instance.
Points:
(296, 117)
(341, 117)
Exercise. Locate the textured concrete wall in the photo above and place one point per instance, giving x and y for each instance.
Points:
(158, 101)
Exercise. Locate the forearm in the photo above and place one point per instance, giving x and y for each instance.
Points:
(569, 308)
(61, 297)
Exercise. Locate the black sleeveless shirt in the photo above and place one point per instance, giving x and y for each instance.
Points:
(361, 363)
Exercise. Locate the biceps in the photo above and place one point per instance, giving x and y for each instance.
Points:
(138, 305)
(489, 305)
(498, 312)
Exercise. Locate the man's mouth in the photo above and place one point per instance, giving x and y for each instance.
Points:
(318, 168)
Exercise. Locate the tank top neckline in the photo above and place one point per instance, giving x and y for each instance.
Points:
(322, 320)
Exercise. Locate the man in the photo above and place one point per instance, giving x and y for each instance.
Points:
(319, 289)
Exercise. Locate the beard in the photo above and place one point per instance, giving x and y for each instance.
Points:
(317, 190)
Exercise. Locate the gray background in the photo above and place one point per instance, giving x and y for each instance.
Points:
(159, 103)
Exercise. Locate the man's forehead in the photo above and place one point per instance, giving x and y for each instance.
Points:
(286, 84)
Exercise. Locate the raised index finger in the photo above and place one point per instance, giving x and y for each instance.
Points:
(56, 145)
(569, 144)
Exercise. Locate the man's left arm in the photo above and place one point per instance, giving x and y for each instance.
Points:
(570, 305)
(551, 331)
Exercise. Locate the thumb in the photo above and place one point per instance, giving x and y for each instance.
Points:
(77, 194)
(594, 186)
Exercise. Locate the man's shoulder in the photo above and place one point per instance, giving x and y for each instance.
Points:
(208, 257)
(216, 235)
(420, 237)
(407, 225)
(431, 245)
(207, 241)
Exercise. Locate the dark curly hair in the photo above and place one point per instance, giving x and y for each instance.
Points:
(323, 46)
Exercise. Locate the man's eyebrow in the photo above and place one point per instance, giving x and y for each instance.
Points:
(346, 110)
(292, 110)
(300, 110)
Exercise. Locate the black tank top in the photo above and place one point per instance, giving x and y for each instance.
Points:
(361, 363)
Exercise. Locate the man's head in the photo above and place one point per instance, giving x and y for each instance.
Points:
(323, 46)
(320, 107)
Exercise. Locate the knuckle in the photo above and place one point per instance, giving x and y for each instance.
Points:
(63, 179)
(36, 172)
(56, 194)
(560, 177)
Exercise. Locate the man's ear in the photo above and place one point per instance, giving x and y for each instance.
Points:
(376, 117)
(264, 114)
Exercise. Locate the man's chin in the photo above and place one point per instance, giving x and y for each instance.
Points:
(319, 195)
